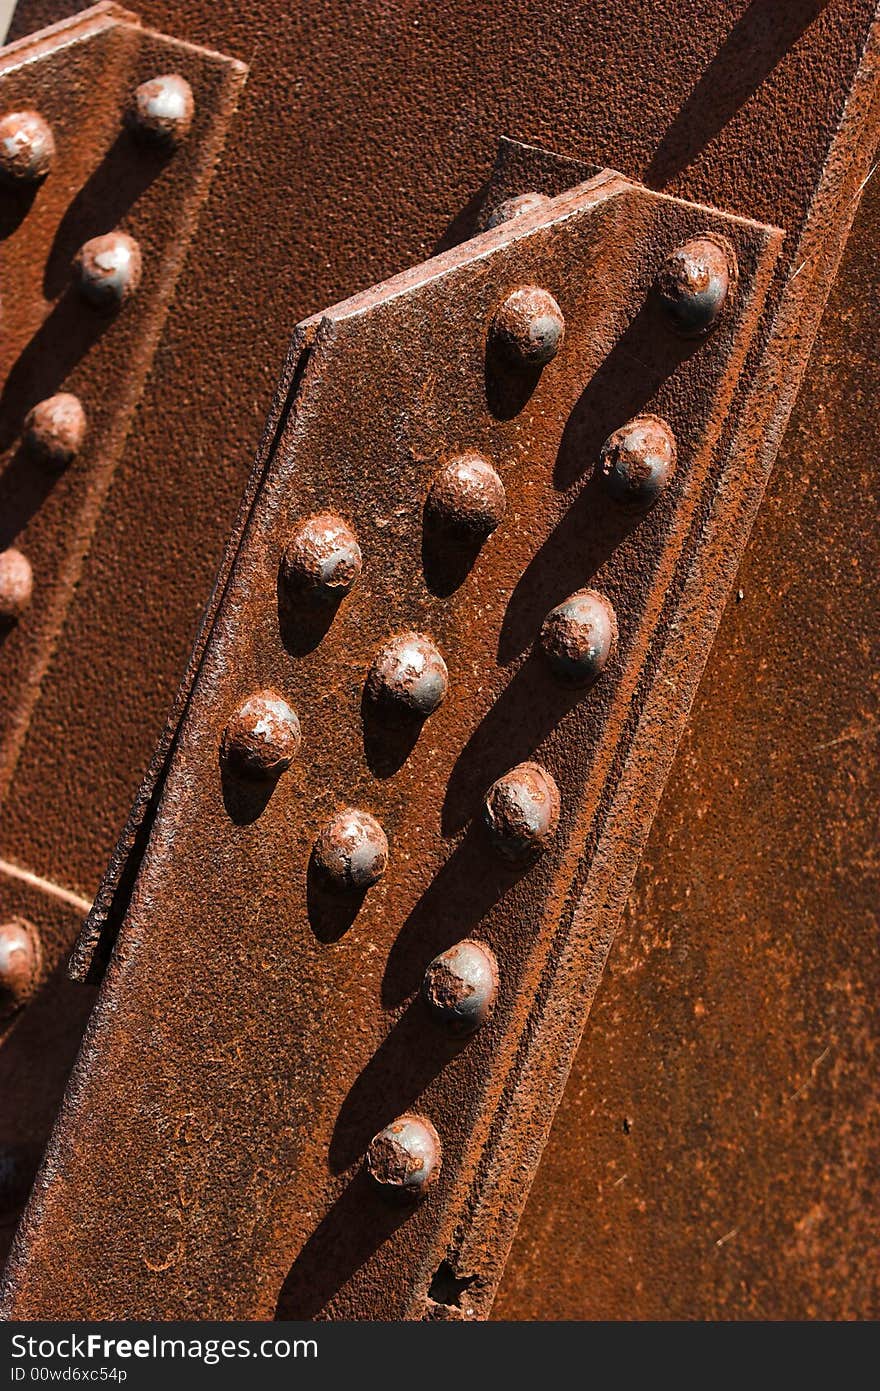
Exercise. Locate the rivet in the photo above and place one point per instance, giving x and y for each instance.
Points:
(579, 636)
(521, 812)
(16, 585)
(528, 328)
(460, 986)
(108, 269)
(695, 282)
(467, 497)
(19, 964)
(322, 560)
(351, 851)
(27, 147)
(637, 462)
(513, 208)
(404, 1159)
(161, 110)
(409, 676)
(262, 737)
(54, 430)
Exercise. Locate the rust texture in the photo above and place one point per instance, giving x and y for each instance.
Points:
(721, 1119)
(223, 896)
(754, 107)
(92, 248)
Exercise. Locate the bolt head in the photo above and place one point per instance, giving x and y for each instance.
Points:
(161, 110)
(695, 282)
(513, 208)
(27, 147)
(579, 636)
(404, 1159)
(19, 964)
(409, 676)
(637, 462)
(521, 812)
(528, 328)
(461, 985)
(16, 585)
(322, 560)
(108, 270)
(351, 851)
(262, 737)
(54, 430)
(467, 498)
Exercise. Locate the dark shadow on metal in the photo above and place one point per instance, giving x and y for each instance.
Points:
(406, 1062)
(331, 913)
(389, 737)
(15, 204)
(304, 623)
(507, 388)
(63, 338)
(530, 707)
(25, 483)
(458, 898)
(359, 1222)
(126, 171)
(464, 225)
(752, 49)
(447, 558)
(245, 798)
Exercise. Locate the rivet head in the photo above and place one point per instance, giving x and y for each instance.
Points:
(467, 497)
(108, 269)
(460, 986)
(521, 812)
(351, 851)
(161, 109)
(27, 147)
(322, 560)
(404, 1158)
(262, 737)
(528, 328)
(55, 429)
(19, 964)
(637, 462)
(695, 282)
(409, 676)
(513, 208)
(579, 636)
(16, 585)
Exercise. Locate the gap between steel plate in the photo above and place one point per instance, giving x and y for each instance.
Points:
(256, 1028)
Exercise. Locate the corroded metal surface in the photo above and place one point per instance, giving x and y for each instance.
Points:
(721, 1118)
(93, 243)
(394, 382)
(744, 104)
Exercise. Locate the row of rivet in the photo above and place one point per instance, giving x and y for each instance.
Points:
(409, 676)
(107, 271)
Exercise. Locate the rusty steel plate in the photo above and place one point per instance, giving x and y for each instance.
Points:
(250, 1096)
(73, 372)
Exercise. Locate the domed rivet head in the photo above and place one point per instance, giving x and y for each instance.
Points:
(55, 429)
(521, 812)
(409, 676)
(351, 851)
(637, 462)
(404, 1158)
(16, 585)
(528, 329)
(460, 986)
(322, 560)
(108, 269)
(695, 282)
(579, 636)
(19, 964)
(512, 208)
(27, 147)
(467, 498)
(161, 110)
(262, 737)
